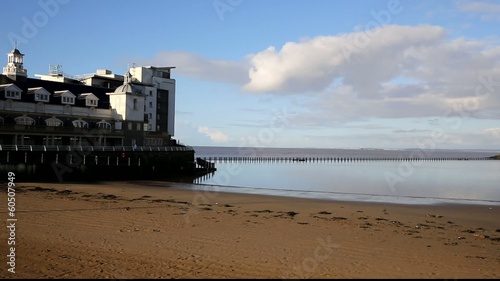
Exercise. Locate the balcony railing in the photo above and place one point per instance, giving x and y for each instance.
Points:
(48, 129)
(92, 148)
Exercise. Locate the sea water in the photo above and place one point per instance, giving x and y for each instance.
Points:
(428, 178)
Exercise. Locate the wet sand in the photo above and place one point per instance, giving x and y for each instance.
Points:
(146, 230)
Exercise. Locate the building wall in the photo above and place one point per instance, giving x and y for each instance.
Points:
(135, 108)
(150, 109)
(156, 77)
(126, 108)
(171, 108)
(119, 105)
(133, 133)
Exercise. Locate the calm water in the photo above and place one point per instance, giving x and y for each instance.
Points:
(413, 182)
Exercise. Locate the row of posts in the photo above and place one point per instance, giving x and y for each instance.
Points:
(71, 160)
(335, 159)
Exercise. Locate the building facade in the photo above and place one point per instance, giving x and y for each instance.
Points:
(100, 109)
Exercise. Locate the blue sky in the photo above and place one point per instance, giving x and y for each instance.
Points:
(288, 73)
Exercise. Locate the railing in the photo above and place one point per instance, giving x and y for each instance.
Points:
(92, 148)
(48, 129)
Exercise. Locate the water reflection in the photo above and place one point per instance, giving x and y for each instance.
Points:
(383, 181)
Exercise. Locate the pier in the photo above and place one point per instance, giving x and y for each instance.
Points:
(69, 163)
(262, 159)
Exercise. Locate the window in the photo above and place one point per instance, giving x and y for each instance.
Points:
(53, 122)
(150, 104)
(135, 104)
(12, 95)
(91, 102)
(103, 125)
(158, 106)
(154, 141)
(24, 120)
(158, 116)
(41, 97)
(90, 99)
(138, 127)
(150, 116)
(80, 124)
(130, 126)
(150, 92)
(67, 100)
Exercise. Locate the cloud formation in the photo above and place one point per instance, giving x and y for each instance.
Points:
(391, 71)
(401, 71)
(314, 64)
(214, 135)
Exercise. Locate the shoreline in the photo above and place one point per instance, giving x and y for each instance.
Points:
(435, 200)
(154, 229)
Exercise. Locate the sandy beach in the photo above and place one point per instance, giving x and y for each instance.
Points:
(146, 230)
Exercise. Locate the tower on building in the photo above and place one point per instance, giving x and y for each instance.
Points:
(15, 68)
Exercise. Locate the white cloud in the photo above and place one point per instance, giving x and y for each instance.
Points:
(401, 72)
(391, 71)
(362, 58)
(215, 135)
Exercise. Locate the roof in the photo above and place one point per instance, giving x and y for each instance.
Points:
(129, 88)
(87, 95)
(32, 90)
(62, 93)
(52, 86)
(16, 52)
(5, 86)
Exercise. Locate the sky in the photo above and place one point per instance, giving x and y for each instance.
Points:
(389, 74)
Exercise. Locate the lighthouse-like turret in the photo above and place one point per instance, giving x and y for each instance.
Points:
(15, 68)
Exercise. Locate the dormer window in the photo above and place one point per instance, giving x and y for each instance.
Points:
(12, 95)
(66, 96)
(68, 100)
(90, 99)
(40, 94)
(41, 97)
(11, 91)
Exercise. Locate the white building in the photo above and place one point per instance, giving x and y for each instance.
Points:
(98, 109)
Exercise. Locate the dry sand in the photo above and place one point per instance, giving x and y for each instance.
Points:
(139, 230)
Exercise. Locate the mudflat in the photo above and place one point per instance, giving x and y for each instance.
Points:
(164, 230)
